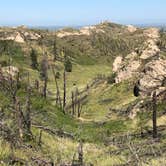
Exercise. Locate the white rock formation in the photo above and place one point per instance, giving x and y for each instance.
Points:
(153, 77)
(83, 31)
(117, 63)
(19, 38)
(128, 71)
(133, 62)
(10, 71)
(131, 28)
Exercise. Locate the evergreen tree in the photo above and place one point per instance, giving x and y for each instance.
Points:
(34, 61)
(44, 74)
(68, 65)
(44, 68)
(55, 49)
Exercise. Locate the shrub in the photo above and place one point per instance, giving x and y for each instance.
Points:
(34, 62)
(68, 65)
(111, 79)
(57, 75)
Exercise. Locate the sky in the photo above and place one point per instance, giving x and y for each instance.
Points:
(81, 12)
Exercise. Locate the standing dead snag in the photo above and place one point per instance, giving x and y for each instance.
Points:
(37, 85)
(55, 48)
(28, 110)
(19, 119)
(64, 82)
(154, 117)
(44, 74)
(45, 88)
(80, 153)
(14, 84)
(40, 138)
(78, 161)
(76, 103)
(73, 103)
(79, 108)
(58, 97)
(64, 91)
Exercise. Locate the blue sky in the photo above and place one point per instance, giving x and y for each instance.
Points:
(81, 12)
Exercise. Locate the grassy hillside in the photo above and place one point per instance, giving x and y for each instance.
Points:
(108, 135)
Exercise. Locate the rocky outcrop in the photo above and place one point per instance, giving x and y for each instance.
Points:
(87, 31)
(128, 71)
(131, 28)
(151, 49)
(117, 63)
(31, 36)
(153, 78)
(19, 35)
(148, 66)
(133, 63)
(10, 71)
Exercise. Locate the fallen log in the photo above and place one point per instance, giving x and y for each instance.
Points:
(42, 162)
(58, 132)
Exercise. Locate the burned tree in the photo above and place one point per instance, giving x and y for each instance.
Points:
(58, 97)
(154, 116)
(68, 65)
(73, 102)
(55, 49)
(64, 91)
(64, 81)
(37, 84)
(19, 119)
(28, 110)
(76, 103)
(44, 74)
(34, 61)
(67, 68)
(80, 153)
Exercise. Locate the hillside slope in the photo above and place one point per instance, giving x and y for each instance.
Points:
(108, 113)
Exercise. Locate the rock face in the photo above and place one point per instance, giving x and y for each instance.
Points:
(131, 28)
(10, 71)
(147, 65)
(18, 35)
(151, 49)
(83, 31)
(19, 38)
(133, 63)
(128, 71)
(153, 77)
(117, 63)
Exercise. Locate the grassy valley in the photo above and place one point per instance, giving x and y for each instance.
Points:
(60, 103)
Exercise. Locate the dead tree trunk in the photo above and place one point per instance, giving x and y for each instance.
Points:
(76, 101)
(37, 85)
(40, 138)
(154, 117)
(79, 108)
(80, 153)
(19, 119)
(64, 91)
(73, 103)
(28, 112)
(45, 88)
(58, 97)
(44, 74)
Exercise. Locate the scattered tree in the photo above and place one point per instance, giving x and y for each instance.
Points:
(68, 65)
(34, 61)
(154, 117)
(44, 74)
(55, 49)
(58, 97)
